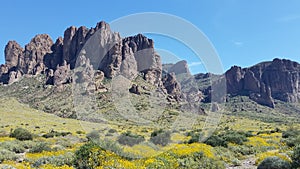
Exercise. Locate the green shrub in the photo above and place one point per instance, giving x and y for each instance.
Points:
(292, 141)
(274, 163)
(235, 137)
(111, 146)
(57, 161)
(291, 137)
(7, 155)
(130, 139)
(112, 130)
(216, 141)
(21, 134)
(198, 160)
(160, 137)
(80, 132)
(14, 146)
(195, 136)
(291, 132)
(222, 139)
(243, 150)
(296, 157)
(86, 157)
(93, 136)
(40, 147)
(53, 133)
(28, 144)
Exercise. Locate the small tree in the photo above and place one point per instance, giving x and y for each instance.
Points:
(21, 134)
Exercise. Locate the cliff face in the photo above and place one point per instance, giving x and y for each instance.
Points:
(279, 79)
(126, 56)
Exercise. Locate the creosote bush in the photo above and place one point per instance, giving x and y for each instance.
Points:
(7, 155)
(53, 133)
(160, 137)
(21, 134)
(130, 139)
(222, 139)
(93, 136)
(40, 147)
(274, 163)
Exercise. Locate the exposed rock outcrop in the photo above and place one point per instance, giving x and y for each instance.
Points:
(110, 54)
(147, 60)
(178, 68)
(14, 76)
(264, 82)
(34, 53)
(62, 75)
(13, 51)
(135, 89)
(172, 86)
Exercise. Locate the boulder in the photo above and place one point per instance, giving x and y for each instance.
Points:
(135, 89)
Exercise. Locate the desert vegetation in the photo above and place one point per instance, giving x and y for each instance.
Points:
(65, 146)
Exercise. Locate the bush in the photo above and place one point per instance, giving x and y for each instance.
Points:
(235, 137)
(160, 137)
(7, 155)
(296, 157)
(274, 163)
(216, 141)
(198, 160)
(14, 146)
(86, 157)
(222, 139)
(40, 147)
(292, 141)
(57, 161)
(112, 130)
(93, 136)
(195, 136)
(291, 132)
(80, 132)
(130, 139)
(21, 134)
(111, 146)
(53, 133)
(291, 137)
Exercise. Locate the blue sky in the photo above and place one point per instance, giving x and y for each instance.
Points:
(243, 32)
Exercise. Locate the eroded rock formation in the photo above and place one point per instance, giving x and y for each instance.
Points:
(264, 82)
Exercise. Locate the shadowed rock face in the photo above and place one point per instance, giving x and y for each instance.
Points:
(279, 79)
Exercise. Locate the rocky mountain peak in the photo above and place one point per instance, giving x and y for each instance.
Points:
(12, 52)
(112, 54)
(278, 79)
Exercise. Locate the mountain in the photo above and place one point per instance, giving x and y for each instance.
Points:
(264, 82)
(92, 57)
(85, 62)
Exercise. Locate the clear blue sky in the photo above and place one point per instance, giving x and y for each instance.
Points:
(244, 32)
